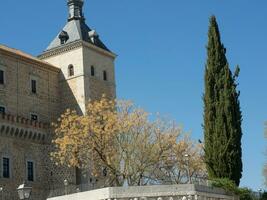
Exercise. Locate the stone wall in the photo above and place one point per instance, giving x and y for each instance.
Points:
(22, 139)
(71, 88)
(95, 86)
(16, 93)
(75, 91)
(156, 192)
(19, 151)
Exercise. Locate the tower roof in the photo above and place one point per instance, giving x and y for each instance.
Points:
(76, 29)
(75, 9)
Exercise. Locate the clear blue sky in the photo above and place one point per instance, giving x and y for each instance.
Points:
(161, 48)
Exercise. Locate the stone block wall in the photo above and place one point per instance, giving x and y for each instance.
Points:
(95, 86)
(21, 141)
(76, 90)
(16, 93)
(71, 87)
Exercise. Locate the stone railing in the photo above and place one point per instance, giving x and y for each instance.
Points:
(156, 192)
(20, 127)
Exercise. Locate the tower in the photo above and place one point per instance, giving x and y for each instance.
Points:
(87, 65)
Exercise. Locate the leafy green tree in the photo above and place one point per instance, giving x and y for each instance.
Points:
(263, 196)
(265, 166)
(222, 114)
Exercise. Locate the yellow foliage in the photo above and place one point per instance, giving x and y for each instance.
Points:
(119, 138)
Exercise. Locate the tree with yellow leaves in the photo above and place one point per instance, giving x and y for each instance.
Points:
(185, 164)
(119, 143)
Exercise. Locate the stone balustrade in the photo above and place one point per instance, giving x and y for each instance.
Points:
(20, 127)
(156, 192)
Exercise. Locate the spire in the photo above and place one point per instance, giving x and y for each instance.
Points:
(76, 29)
(75, 10)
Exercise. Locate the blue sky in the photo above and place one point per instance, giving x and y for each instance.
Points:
(161, 55)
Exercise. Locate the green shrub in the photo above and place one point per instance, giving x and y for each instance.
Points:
(246, 194)
(230, 186)
(264, 196)
(226, 184)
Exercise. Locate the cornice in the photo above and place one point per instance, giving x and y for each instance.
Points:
(19, 127)
(75, 45)
(33, 61)
(99, 50)
(60, 50)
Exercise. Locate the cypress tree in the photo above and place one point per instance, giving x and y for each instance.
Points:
(222, 114)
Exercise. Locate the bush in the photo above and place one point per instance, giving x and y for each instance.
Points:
(246, 194)
(225, 184)
(230, 186)
(264, 196)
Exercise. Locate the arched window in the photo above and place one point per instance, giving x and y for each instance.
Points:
(92, 70)
(105, 77)
(71, 70)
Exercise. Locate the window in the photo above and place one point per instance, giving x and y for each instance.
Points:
(63, 36)
(6, 167)
(34, 117)
(2, 110)
(92, 71)
(30, 171)
(2, 77)
(71, 70)
(34, 86)
(105, 78)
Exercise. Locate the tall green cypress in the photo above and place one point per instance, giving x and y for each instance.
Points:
(222, 114)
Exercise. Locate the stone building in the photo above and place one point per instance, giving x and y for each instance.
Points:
(34, 91)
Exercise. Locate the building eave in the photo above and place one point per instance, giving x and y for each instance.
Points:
(4, 50)
(74, 45)
(100, 50)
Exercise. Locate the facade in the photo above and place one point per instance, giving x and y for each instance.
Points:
(34, 91)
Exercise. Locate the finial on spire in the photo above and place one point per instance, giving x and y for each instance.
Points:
(75, 10)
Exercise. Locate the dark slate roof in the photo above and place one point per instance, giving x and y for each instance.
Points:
(76, 30)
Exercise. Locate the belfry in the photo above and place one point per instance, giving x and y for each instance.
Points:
(75, 9)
